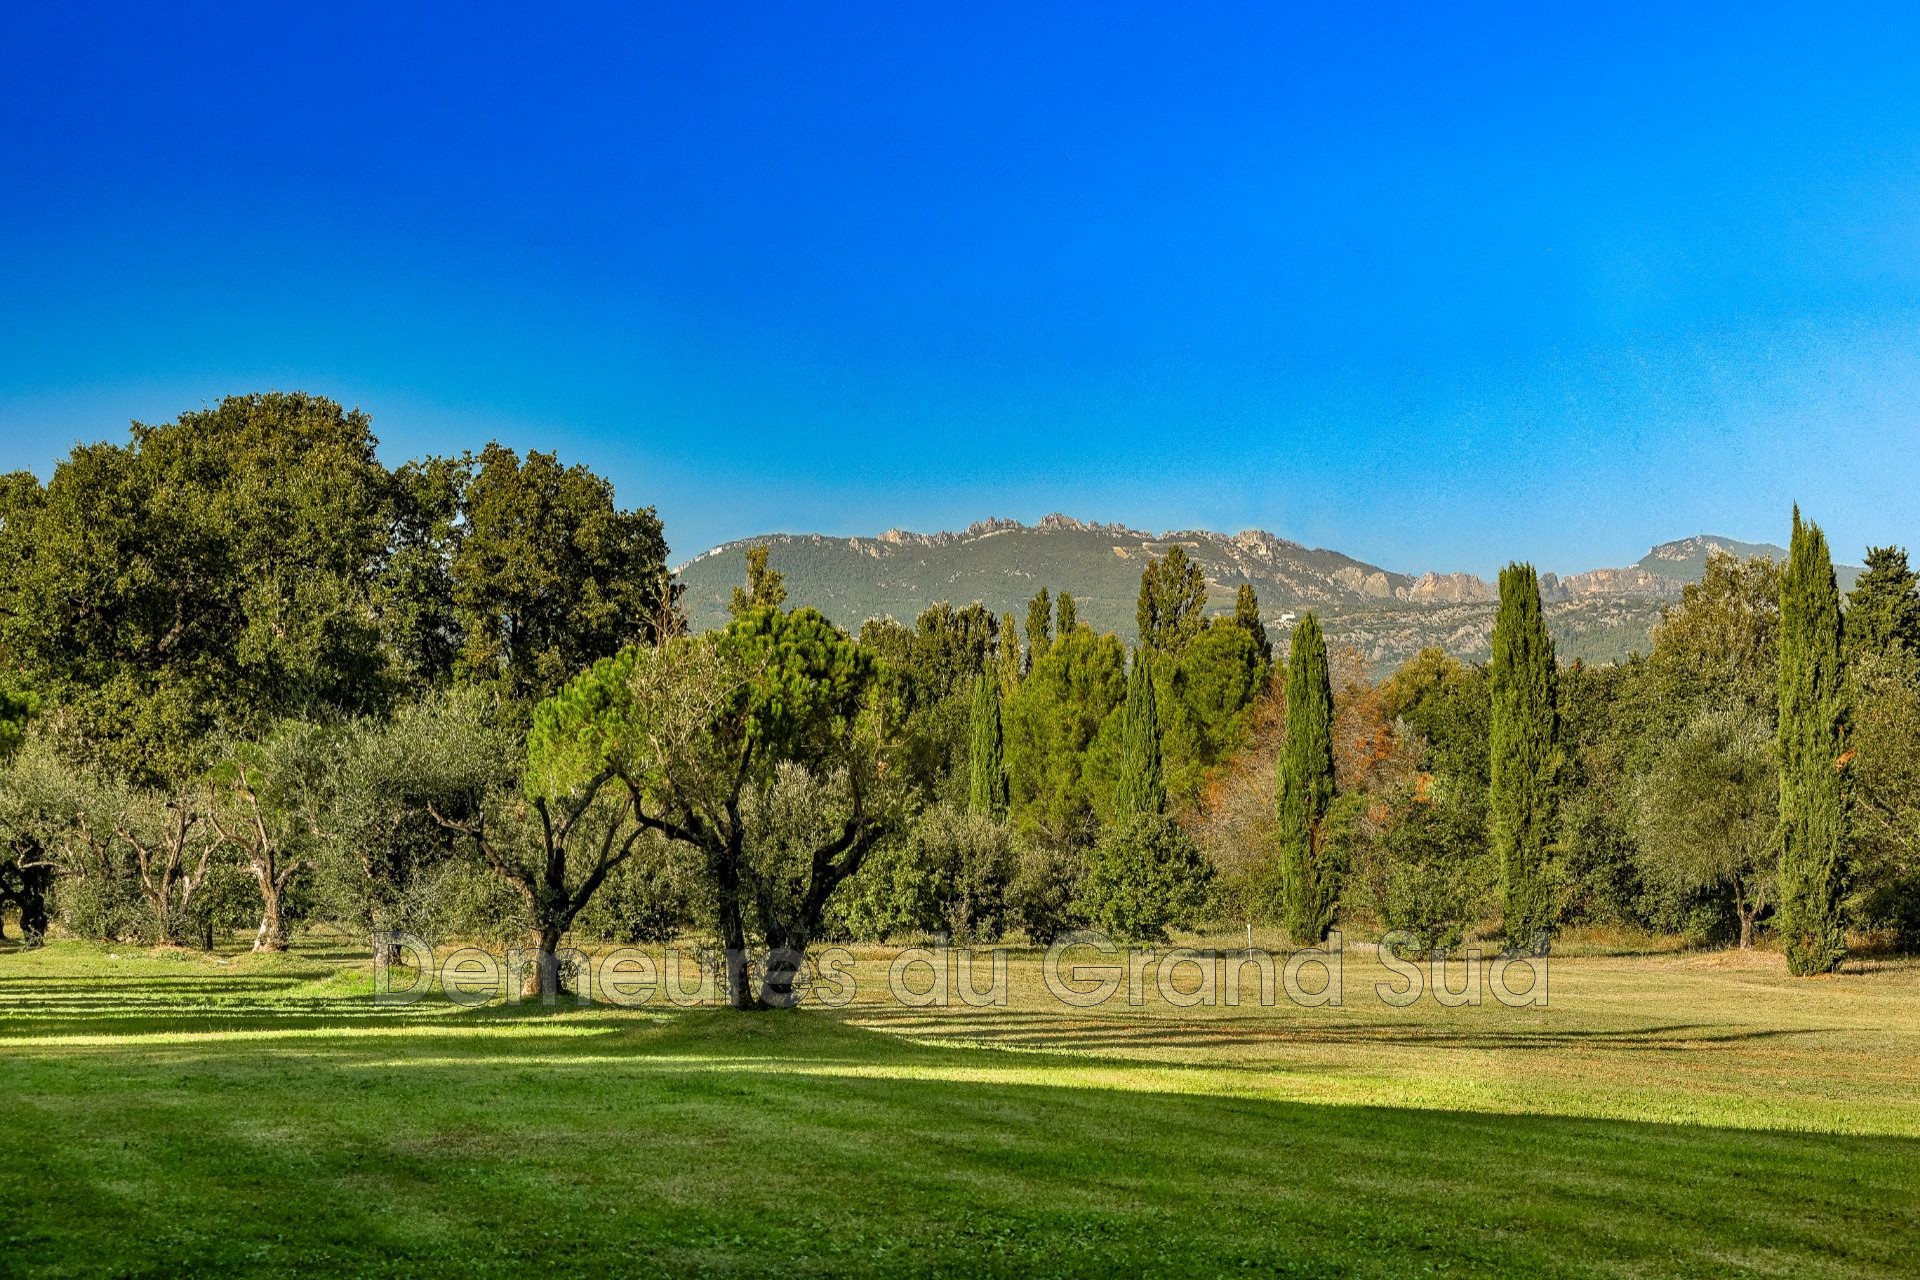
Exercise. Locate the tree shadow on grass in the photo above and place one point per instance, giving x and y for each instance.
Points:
(145, 1003)
(732, 1144)
(1069, 1033)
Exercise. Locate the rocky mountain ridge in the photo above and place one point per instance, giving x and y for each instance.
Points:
(1602, 614)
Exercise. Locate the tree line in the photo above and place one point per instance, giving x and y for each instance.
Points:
(255, 678)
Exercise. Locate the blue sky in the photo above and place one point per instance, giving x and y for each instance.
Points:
(1437, 285)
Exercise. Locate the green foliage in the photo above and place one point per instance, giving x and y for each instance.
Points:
(654, 896)
(413, 590)
(1044, 893)
(1063, 737)
(39, 795)
(1309, 886)
(551, 575)
(1039, 627)
(951, 647)
(1884, 732)
(1206, 702)
(1425, 878)
(381, 852)
(1814, 774)
(1007, 659)
(1173, 598)
(15, 710)
(986, 752)
(211, 574)
(801, 683)
(1608, 719)
(1707, 813)
(254, 561)
(1140, 788)
(767, 751)
(1246, 616)
(1721, 643)
(1068, 613)
(585, 727)
(1448, 704)
(1523, 758)
(1144, 876)
(950, 875)
(1883, 609)
(765, 586)
(927, 675)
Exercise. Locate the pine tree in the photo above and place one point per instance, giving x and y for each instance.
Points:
(1039, 624)
(1142, 789)
(1305, 790)
(1068, 615)
(1814, 779)
(1008, 657)
(1883, 609)
(1524, 761)
(986, 759)
(1173, 598)
(1246, 614)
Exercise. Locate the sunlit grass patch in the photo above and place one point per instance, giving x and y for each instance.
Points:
(1663, 1116)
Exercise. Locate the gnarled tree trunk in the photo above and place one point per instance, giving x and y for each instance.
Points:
(35, 880)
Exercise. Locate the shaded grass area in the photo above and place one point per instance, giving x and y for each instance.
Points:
(169, 1117)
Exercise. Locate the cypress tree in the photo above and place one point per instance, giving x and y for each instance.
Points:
(1068, 614)
(1813, 758)
(1246, 614)
(1008, 658)
(986, 760)
(1306, 788)
(1039, 625)
(1521, 739)
(1141, 789)
(765, 584)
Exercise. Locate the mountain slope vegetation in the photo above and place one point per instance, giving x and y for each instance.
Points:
(1598, 616)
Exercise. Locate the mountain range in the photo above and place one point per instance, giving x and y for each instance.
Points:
(1599, 616)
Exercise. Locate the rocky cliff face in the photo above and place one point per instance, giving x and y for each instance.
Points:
(1449, 588)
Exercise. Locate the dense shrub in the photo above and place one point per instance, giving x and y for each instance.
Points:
(950, 874)
(1144, 877)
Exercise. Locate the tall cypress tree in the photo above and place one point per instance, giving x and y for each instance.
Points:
(986, 758)
(1521, 739)
(1308, 892)
(1814, 781)
(1068, 614)
(1039, 627)
(1142, 789)
(1246, 614)
(1008, 657)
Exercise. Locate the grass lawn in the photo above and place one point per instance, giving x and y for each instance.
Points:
(173, 1114)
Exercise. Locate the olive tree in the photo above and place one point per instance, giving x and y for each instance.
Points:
(379, 845)
(552, 834)
(37, 800)
(1708, 812)
(267, 802)
(167, 843)
(759, 747)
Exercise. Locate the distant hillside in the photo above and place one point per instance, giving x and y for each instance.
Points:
(1686, 560)
(1599, 616)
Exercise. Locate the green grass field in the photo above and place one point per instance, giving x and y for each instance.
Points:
(1692, 1114)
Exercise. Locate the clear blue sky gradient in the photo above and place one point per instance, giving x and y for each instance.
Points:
(1437, 285)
